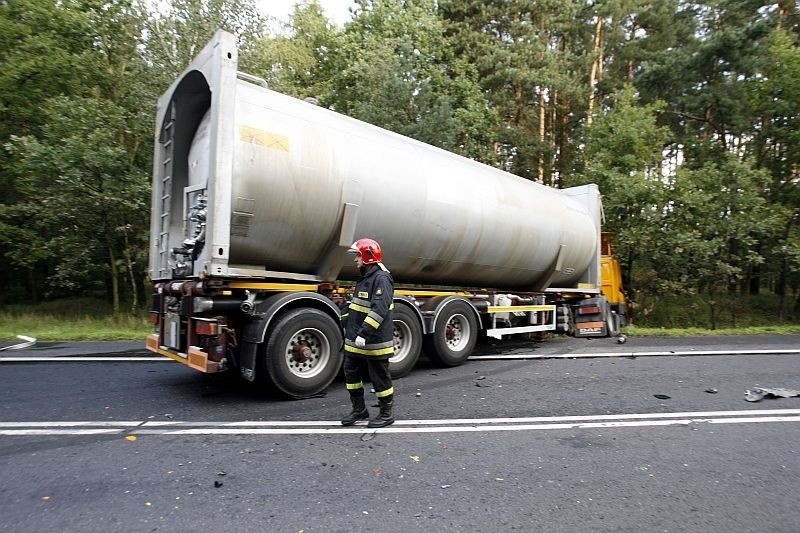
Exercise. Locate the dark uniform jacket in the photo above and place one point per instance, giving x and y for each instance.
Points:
(370, 315)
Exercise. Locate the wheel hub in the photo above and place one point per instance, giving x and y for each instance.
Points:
(301, 352)
(451, 332)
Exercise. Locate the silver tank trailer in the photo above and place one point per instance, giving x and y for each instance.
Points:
(290, 185)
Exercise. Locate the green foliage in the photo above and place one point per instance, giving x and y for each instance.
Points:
(716, 218)
(528, 60)
(622, 153)
(298, 64)
(181, 28)
(45, 50)
(78, 163)
(395, 69)
(75, 327)
(72, 319)
(724, 312)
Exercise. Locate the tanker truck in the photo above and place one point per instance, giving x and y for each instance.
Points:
(257, 196)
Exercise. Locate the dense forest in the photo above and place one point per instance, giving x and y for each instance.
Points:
(686, 113)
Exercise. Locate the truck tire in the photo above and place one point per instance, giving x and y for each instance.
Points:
(455, 333)
(407, 342)
(302, 354)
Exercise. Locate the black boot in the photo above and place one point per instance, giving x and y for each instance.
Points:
(384, 417)
(359, 411)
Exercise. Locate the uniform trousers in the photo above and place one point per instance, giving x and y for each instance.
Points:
(357, 369)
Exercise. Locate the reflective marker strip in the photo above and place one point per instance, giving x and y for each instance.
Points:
(360, 308)
(380, 351)
(385, 393)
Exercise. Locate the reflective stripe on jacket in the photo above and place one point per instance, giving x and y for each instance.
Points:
(370, 315)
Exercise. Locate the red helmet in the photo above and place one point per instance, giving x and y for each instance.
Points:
(369, 249)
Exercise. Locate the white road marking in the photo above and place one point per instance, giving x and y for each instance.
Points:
(29, 432)
(28, 342)
(512, 357)
(634, 354)
(327, 427)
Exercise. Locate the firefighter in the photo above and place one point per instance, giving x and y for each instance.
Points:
(369, 336)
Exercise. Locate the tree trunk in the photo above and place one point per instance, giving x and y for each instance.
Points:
(34, 286)
(542, 112)
(517, 103)
(712, 312)
(114, 272)
(597, 60)
(131, 275)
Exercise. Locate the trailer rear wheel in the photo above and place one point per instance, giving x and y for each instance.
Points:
(455, 333)
(302, 355)
(407, 342)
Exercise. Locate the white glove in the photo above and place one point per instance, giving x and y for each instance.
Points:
(360, 342)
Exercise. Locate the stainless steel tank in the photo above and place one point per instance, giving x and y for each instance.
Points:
(290, 185)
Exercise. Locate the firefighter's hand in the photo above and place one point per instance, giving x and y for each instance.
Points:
(360, 342)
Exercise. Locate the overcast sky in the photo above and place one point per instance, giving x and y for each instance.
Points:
(335, 10)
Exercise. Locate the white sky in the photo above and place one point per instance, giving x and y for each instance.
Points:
(335, 10)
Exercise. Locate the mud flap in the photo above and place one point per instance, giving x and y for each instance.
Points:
(247, 357)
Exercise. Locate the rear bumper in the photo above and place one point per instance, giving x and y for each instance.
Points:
(196, 358)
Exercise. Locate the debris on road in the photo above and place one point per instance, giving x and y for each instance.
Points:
(662, 396)
(759, 393)
(478, 382)
(712, 391)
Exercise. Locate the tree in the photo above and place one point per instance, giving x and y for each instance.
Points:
(775, 97)
(395, 69)
(81, 151)
(95, 197)
(46, 51)
(713, 225)
(622, 149)
(179, 30)
(524, 53)
(299, 62)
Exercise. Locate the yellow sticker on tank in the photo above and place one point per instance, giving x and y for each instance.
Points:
(264, 138)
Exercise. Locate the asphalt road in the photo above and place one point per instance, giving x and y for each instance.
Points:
(559, 443)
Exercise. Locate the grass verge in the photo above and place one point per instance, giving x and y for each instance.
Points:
(135, 327)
